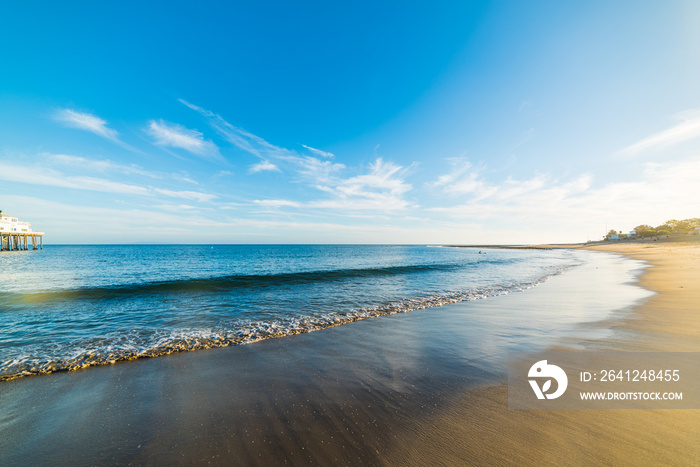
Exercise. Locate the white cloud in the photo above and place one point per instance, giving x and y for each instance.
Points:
(107, 166)
(49, 177)
(687, 129)
(552, 207)
(382, 176)
(98, 165)
(276, 203)
(511, 189)
(85, 121)
(177, 136)
(185, 178)
(104, 224)
(315, 170)
(318, 152)
(531, 209)
(177, 207)
(237, 136)
(307, 166)
(196, 195)
(380, 189)
(264, 166)
(460, 166)
(464, 178)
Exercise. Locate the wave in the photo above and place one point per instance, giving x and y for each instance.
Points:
(135, 345)
(10, 300)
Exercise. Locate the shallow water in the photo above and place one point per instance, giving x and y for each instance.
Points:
(352, 392)
(68, 307)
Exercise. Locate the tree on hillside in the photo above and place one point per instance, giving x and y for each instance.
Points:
(671, 225)
(676, 226)
(643, 228)
(694, 222)
(687, 225)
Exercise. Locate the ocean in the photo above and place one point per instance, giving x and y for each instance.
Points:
(69, 307)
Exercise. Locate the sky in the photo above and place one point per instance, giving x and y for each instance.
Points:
(319, 122)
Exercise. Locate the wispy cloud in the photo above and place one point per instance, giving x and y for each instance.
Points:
(185, 178)
(177, 136)
(512, 188)
(463, 179)
(548, 209)
(95, 165)
(237, 136)
(467, 180)
(164, 224)
(195, 195)
(85, 121)
(276, 203)
(382, 188)
(49, 177)
(264, 166)
(106, 166)
(459, 167)
(315, 170)
(318, 152)
(308, 167)
(177, 207)
(688, 128)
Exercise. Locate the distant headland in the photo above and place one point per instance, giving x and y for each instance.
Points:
(672, 227)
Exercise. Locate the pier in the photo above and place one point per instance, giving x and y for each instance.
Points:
(16, 235)
(16, 242)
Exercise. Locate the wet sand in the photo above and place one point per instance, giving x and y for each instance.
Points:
(403, 389)
(479, 428)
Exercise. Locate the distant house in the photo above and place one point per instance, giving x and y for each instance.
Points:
(633, 233)
(614, 237)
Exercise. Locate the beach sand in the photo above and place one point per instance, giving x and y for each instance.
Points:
(480, 429)
(385, 391)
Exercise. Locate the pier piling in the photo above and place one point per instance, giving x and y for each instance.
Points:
(15, 234)
(17, 242)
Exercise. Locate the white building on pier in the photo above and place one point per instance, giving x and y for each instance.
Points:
(15, 234)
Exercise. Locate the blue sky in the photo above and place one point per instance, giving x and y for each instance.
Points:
(406, 122)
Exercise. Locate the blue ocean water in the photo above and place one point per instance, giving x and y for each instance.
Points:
(69, 307)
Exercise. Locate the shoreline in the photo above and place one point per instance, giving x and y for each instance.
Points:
(413, 299)
(397, 395)
(494, 434)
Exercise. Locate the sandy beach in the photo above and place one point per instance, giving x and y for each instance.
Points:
(395, 390)
(481, 430)
(323, 233)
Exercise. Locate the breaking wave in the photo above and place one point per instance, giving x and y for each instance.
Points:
(116, 347)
